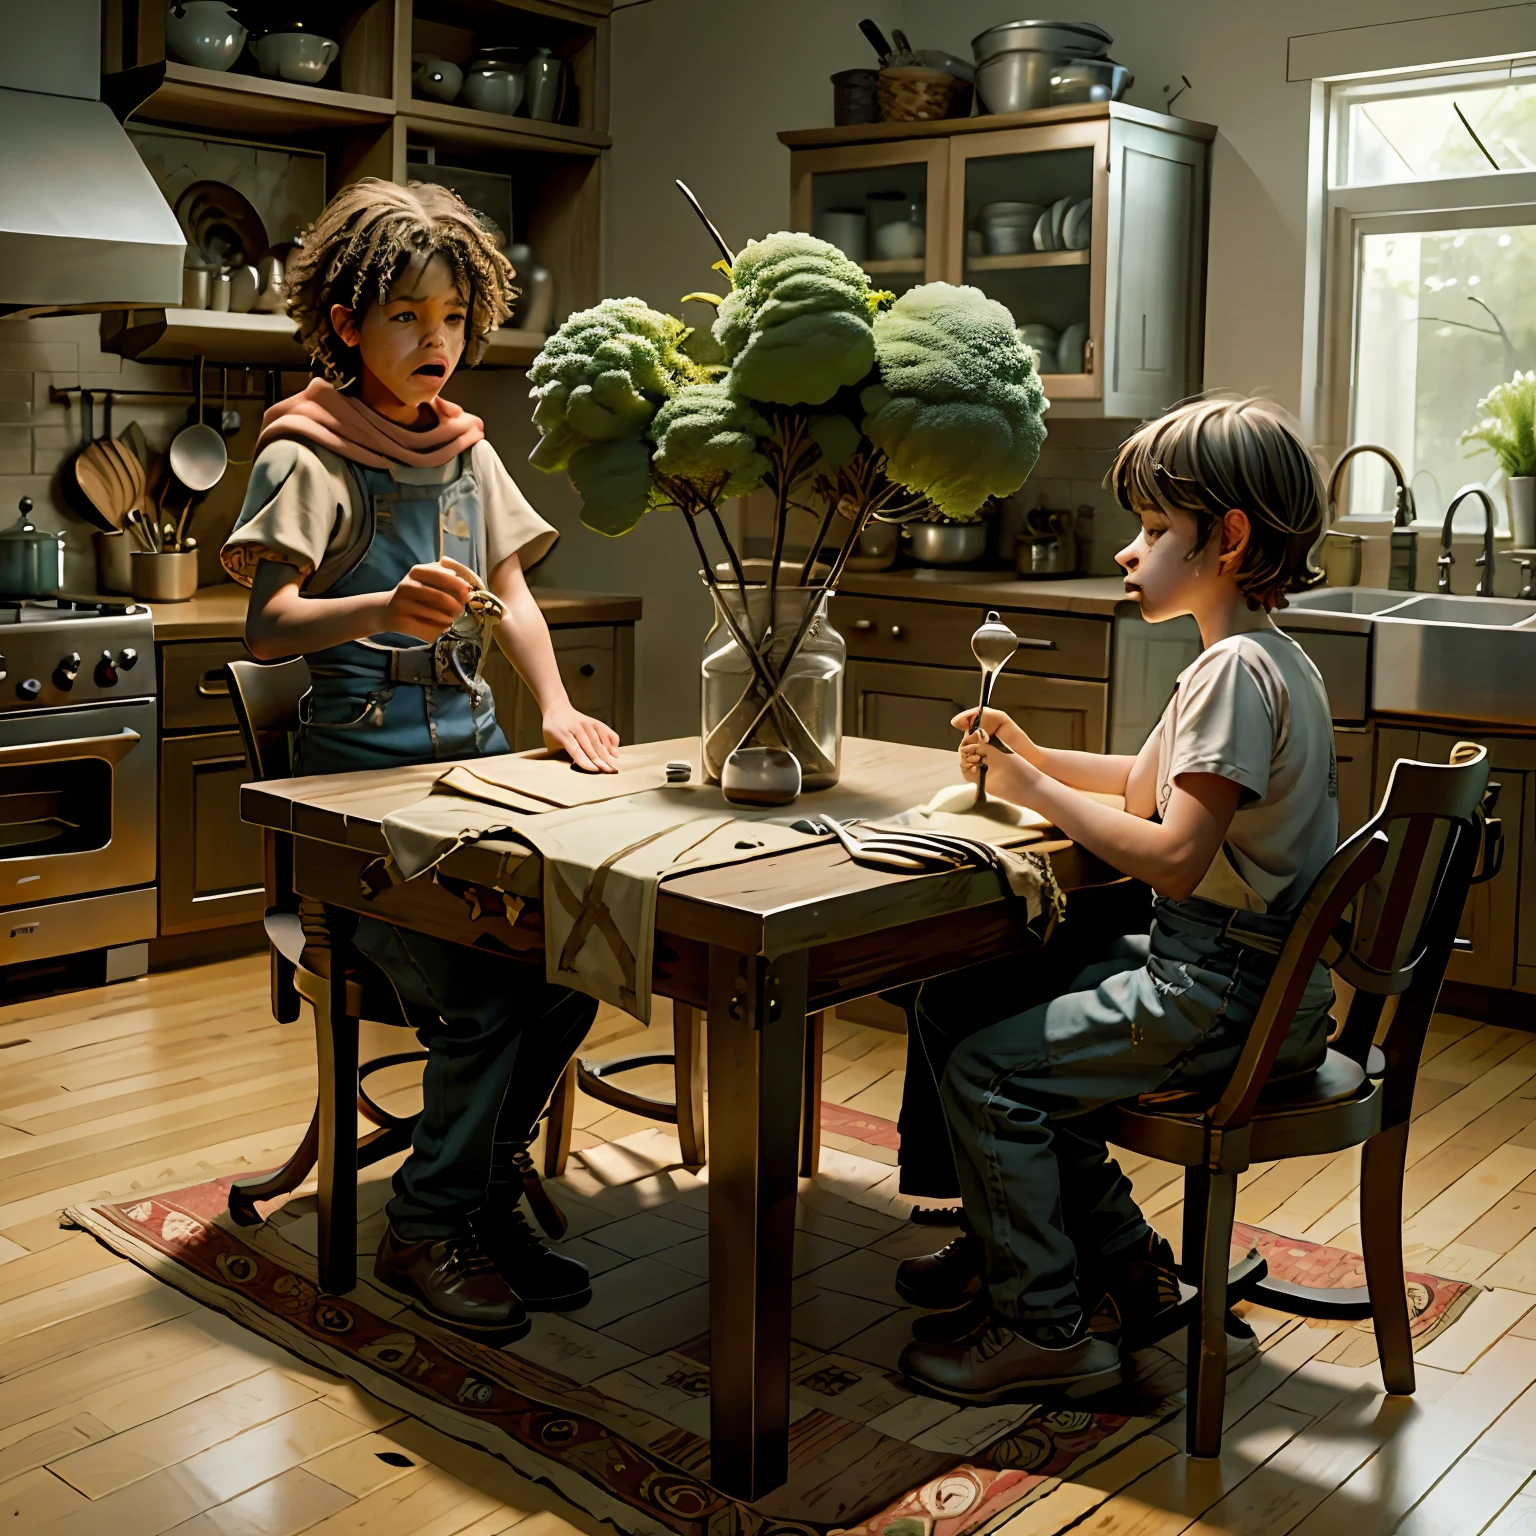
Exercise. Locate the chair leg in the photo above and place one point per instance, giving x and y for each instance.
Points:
(810, 1100)
(244, 1193)
(559, 1118)
(1214, 1195)
(688, 1082)
(1381, 1236)
(336, 1043)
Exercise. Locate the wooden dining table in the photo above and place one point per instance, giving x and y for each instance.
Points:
(760, 946)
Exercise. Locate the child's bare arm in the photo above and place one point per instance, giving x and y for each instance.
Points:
(524, 636)
(281, 621)
(1171, 855)
(1100, 772)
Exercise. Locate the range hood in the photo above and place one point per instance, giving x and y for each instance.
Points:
(83, 227)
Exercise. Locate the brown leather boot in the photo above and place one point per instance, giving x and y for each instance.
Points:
(998, 1363)
(946, 1279)
(454, 1281)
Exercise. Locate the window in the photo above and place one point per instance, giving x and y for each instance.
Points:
(1431, 273)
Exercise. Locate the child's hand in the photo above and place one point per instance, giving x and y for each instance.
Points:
(427, 600)
(592, 745)
(1007, 775)
(996, 723)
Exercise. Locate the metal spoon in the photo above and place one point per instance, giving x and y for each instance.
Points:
(993, 646)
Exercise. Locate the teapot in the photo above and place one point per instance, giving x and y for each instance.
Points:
(31, 560)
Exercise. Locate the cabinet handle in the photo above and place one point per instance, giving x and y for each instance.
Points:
(587, 669)
(1088, 355)
(213, 685)
(897, 632)
(863, 625)
(1030, 643)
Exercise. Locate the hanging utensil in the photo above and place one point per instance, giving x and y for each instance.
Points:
(876, 40)
(198, 459)
(993, 645)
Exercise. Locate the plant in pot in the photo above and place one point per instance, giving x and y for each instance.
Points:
(835, 399)
(1508, 427)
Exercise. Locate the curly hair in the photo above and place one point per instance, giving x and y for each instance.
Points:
(1209, 457)
(369, 235)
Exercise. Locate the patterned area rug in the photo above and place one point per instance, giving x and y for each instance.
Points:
(610, 1405)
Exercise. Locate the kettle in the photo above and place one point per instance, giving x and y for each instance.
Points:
(31, 560)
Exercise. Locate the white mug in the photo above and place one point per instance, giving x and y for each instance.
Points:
(300, 57)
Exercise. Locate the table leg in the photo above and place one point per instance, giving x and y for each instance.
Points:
(810, 1097)
(336, 1048)
(688, 1080)
(756, 1059)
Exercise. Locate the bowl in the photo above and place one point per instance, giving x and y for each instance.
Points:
(1043, 340)
(761, 776)
(1015, 61)
(900, 240)
(203, 33)
(1077, 39)
(948, 543)
(303, 58)
(1080, 80)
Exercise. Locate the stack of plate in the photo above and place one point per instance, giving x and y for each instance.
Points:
(1008, 228)
(1067, 225)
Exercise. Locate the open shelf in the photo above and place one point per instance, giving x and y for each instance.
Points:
(447, 124)
(1028, 259)
(254, 104)
(893, 266)
(253, 341)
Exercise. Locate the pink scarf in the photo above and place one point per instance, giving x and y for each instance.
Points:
(321, 415)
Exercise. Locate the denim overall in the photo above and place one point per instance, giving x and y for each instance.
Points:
(1112, 1018)
(503, 1035)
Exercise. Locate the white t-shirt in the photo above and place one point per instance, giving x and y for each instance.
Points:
(1253, 709)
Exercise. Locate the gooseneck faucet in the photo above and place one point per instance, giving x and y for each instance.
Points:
(1405, 542)
(1446, 559)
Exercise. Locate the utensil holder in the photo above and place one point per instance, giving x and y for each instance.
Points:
(114, 568)
(164, 576)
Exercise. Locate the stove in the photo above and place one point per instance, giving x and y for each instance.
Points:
(79, 782)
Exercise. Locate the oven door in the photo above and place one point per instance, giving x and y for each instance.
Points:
(78, 793)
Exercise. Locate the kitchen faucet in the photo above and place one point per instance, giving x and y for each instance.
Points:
(1446, 559)
(1405, 542)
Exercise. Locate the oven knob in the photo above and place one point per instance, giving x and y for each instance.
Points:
(29, 688)
(67, 671)
(129, 659)
(106, 673)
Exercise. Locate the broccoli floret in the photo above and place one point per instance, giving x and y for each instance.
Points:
(958, 409)
(795, 327)
(602, 375)
(613, 479)
(705, 431)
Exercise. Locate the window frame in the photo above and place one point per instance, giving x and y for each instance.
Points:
(1350, 213)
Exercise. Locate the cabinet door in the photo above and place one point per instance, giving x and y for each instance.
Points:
(210, 860)
(1354, 751)
(882, 204)
(1155, 265)
(914, 705)
(595, 667)
(1029, 226)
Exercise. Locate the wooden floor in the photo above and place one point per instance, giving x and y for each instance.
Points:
(129, 1411)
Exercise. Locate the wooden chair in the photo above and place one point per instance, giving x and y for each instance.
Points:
(1403, 879)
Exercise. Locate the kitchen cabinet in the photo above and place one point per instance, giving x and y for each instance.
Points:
(1126, 308)
(210, 860)
(597, 666)
(1354, 751)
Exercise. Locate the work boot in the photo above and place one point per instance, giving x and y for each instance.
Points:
(453, 1281)
(948, 1327)
(547, 1281)
(1004, 1361)
(944, 1280)
(1137, 1293)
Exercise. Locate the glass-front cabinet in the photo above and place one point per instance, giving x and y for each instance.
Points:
(1086, 223)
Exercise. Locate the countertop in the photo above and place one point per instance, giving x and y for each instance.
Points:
(218, 613)
(1101, 596)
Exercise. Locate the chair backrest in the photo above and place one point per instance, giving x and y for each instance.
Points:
(1403, 877)
(266, 698)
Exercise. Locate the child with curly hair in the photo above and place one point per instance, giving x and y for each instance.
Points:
(376, 512)
(1230, 812)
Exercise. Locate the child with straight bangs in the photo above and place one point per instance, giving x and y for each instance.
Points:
(376, 512)
(1230, 812)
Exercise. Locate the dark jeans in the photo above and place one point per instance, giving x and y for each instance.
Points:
(1140, 1014)
(503, 1037)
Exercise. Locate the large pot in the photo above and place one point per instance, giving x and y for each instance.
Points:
(31, 560)
(1015, 62)
(948, 543)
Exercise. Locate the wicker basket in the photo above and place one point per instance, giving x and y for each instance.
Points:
(920, 95)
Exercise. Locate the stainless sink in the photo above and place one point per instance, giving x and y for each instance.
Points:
(1433, 655)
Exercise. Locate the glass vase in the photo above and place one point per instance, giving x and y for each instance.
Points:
(807, 713)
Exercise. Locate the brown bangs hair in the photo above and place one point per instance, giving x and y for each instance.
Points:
(374, 232)
(1209, 457)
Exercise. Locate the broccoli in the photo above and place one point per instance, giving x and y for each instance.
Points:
(958, 408)
(614, 482)
(795, 327)
(602, 375)
(705, 432)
